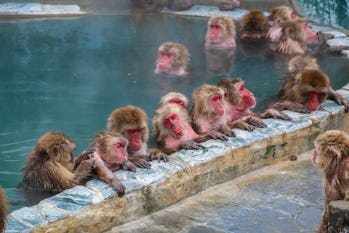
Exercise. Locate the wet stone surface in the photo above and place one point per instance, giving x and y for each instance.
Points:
(280, 198)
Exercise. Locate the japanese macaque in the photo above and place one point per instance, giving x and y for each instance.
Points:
(180, 5)
(220, 32)
(49, 166)
(331, 155)
(208, 112)
(305, 92)
(172, 59)
(292, 39)
(109, 152)
(284, 13)
(299, 63)
(3, 210)
(253, 25)
(170, 98)
(322, 46)
(131, 122)
(238, 102)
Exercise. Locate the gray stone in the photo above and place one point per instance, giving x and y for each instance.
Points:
(13, 225)
(336, 34)
(314, 115)
(346, 86)
(338, 42)
(196, 157)
(169, 167)
(49, 212)
(331, 107)
(142, 177)
(28, 216)
(345, 52)
(288, 126)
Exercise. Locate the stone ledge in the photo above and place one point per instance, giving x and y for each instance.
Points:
(95, 207)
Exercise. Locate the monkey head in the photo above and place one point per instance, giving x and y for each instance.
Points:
(281, 13)
(175, 98)
(172, 58)
(254, 22)
(311, 88)
(331, 148)
(172, 121)
(111, 147)
(236, 93)
(131, 122)
(55, 146)
(208, 101)
(220, 27)
(302, 62)
(294, 29)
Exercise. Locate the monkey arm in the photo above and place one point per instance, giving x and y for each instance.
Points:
(140, 161)
(83, 170)
(289, 105)
(339, 99)
(128, 166)
(241, 124)
(108, 176)
(212, 134)
(275, 114)
(225, 130)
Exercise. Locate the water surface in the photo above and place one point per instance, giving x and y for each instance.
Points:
(68, 75)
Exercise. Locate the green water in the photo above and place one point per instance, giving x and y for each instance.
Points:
(69, 74)
(328, 12)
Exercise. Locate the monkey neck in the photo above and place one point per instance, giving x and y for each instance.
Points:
(142, 150)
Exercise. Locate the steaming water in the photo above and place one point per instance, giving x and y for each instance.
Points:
(69, 74)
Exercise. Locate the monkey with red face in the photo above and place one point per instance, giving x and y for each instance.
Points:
(131, 122)
(109, 152)
(172, 59)
(220, 33)
(305, 92)
(239, 101)
(331, 155)
(281, 14)
(208, 112)
(174, 130)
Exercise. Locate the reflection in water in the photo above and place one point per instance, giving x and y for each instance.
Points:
(332, 12)
(69, 74)
(220, 60)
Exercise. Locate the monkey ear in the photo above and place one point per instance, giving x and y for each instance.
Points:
(54, 150)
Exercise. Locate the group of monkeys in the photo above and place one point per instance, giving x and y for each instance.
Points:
(52, 168)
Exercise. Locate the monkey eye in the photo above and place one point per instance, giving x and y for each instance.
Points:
(132, 131)
(242, 87)
(166, 54)
(166, 123)
(215, 26)
(119, 145)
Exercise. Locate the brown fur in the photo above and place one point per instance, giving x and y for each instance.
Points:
(163, 132)
(3, 210)
(174, 95)
(302, 62)
(201, 99)
(282, 13)
(49, 165)
(104, 141)
(293, 29)
(332, 150)
(253, 25)
(129, 117)
(164, 101)
(230, 85)
(180, 52)
(225, 22)
(305, 81)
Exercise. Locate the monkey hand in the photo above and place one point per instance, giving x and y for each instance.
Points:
(226, 130)
(275, 114)
(190, 145)
(157, 154)
(140, 162)
(117, 186)
(128, 166)
(84, 170)
(214, 134)
(241, 124)
(255, 121)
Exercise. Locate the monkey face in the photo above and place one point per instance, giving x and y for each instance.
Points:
(172, 122)
(217, 103)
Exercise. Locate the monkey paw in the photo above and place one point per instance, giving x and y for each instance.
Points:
(118, 187)
(128, 166)
(159, 157)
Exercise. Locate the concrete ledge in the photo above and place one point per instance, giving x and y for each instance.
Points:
(338, 219)
(95, 207)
